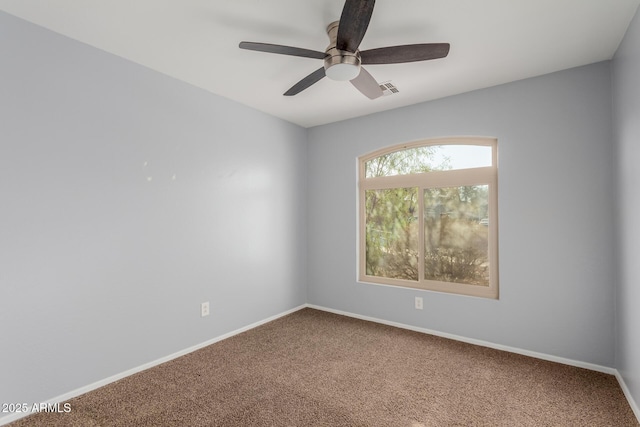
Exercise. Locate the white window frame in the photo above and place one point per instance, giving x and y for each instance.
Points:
(434, 179)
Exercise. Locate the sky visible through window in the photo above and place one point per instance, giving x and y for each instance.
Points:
(463, 156)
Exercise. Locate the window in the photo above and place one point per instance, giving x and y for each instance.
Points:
(428, 216)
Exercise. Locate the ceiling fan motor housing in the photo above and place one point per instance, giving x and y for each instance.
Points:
(340, 64)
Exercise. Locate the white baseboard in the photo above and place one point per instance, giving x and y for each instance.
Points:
(543, 356)
(82, 390)
(627, 393)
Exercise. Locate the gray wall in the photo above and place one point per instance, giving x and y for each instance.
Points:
(102, 269)
(626, 96)
(555, 215)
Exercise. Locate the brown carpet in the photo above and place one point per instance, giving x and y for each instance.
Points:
(313, 368)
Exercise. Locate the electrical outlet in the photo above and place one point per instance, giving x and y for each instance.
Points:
(204, 309)
(418, 303)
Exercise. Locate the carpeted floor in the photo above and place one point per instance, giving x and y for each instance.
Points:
(313, 368)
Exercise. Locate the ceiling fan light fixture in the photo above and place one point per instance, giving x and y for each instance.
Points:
(343, 72)
(341, 65)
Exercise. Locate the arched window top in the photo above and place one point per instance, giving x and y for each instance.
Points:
(432, 155)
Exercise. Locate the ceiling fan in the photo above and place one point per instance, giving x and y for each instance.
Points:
(343, 60)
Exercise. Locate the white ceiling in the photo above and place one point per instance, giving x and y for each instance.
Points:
(196, 41)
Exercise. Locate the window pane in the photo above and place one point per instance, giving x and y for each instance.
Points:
(456, 233)
(392, 233)
(412, 160)
(429, 158)
(463, 156)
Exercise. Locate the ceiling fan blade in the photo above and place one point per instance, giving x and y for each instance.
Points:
(354, 21)
(405, 53)
(306, 82)
(367, 85)
(283, 50)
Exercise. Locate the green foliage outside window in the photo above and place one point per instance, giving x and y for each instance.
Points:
(392, 233)
(456, 241)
